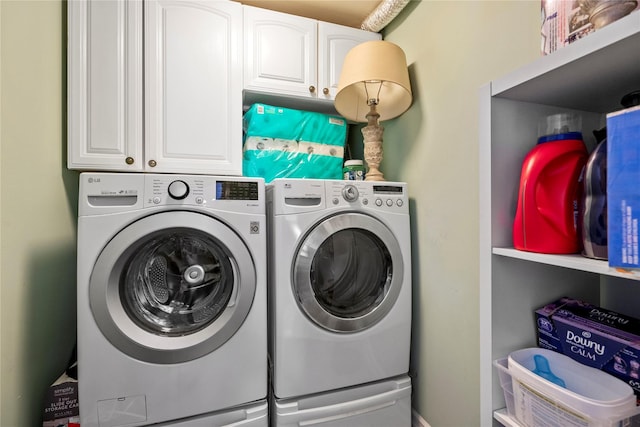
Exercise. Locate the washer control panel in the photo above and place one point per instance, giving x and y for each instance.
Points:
(202, 191)
(391, 196)
(102, 193)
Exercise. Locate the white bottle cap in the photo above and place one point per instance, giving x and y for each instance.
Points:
(353, 163)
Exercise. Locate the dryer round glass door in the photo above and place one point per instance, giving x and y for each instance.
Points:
(348, 272)
(172, 287)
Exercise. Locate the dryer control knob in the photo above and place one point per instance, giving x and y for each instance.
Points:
(350, 193)
(178, 190)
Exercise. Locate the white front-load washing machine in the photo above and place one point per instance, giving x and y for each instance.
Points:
(171, 300)
(339, 284)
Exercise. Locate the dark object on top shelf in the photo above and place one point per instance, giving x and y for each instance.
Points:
(631, 99)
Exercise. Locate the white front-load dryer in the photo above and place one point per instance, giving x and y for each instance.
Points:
(171, 299)
(339, 284)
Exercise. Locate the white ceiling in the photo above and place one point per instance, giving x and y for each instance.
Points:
(349, 12)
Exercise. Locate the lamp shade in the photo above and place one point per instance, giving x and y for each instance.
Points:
(365, 68)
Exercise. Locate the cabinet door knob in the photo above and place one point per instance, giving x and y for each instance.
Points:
(325, 91)
(312, 89)
(152, 163)
(129, 160)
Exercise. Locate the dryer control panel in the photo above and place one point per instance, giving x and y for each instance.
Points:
(388, 196)
(296, 196)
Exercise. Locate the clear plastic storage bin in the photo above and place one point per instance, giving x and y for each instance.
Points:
(591, 398)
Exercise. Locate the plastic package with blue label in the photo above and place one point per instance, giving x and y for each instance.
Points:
(568, 394)
(287, 143)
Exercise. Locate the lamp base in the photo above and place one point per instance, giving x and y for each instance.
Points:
(372, 134)
(374, 176)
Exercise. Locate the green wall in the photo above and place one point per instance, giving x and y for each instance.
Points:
(452, 48)
(37, 211)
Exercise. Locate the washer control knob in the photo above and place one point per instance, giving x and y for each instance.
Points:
(350, 193)
(178, 190)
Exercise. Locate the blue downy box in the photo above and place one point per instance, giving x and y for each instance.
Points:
(594, 336)
(623, 191)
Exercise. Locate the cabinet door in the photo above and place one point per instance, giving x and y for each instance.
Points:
(280, 53)
(193, 92)
(334, 42)
(104, 78)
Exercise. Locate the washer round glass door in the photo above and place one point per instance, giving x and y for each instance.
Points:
(348, 272)
(172, 287)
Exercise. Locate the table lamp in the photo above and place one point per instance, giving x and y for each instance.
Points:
(374, 86)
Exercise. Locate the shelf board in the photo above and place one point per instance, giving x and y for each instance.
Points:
(324, 106)
(581, 75)
(505, 419)
(576, 262)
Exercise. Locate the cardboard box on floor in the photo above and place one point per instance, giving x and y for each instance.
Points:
(61, 403)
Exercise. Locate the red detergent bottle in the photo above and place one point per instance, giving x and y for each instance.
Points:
(550, 189)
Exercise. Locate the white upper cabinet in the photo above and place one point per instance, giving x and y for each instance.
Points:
(192, 94)
(334, 42)
(280, 52)
(104, 81)
(295, 56)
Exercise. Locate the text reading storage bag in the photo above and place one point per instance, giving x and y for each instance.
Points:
(286, 143)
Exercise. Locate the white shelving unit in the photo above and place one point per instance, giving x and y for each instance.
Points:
(589, 77)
